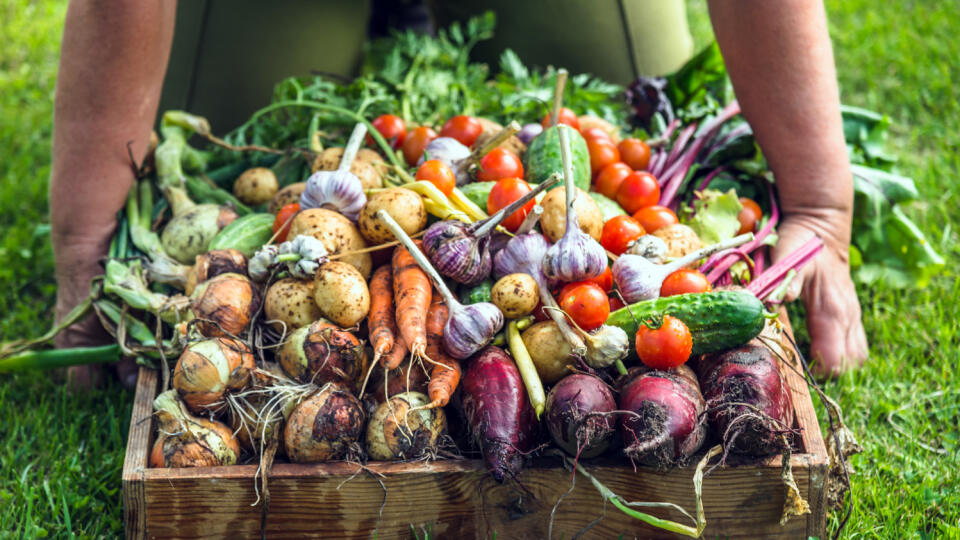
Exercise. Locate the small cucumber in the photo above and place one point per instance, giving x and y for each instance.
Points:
(478, 192)
(608, 207)
(480, 292)
(543, 157)
(717, 320)
(246, 234)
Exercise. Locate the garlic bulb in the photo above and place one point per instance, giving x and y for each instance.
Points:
(650, 247)
(338, 190)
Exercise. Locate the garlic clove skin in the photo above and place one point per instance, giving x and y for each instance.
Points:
(456, 253)
(340, 191)
(605, 346)
(650, 247)
(575, 257)
(471, 328)
(637, 278)
(447, 150)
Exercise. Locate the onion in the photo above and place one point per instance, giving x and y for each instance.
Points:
(322, 353)
(402, 428)
(324, 426)
(209, 368)
(184, 440)
(224, 305)
(207, 265)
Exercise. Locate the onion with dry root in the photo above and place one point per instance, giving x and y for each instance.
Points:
(322, 353)
(206, 265)
(403, 428)
(325, 426)
(224, 305)
(209, 368)
(185, 440)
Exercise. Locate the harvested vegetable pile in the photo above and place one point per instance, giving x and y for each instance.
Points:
(359, 262)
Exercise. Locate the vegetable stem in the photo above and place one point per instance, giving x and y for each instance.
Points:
(487, 225)
(528, 371)
(58, 358)
(568, 185)
(531, 220)
(509, 131)
(353, 145)
(558, 96)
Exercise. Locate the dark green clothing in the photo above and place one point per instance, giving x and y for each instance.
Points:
(228, 55)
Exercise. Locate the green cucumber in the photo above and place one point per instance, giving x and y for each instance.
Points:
(543, 157)
(717, 320)
(473, 294)
(246, 234)
(608, 207)
(478, 192)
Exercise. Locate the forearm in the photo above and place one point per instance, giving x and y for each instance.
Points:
(780, 60)
(112, 63)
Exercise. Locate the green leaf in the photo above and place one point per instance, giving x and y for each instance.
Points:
(715, 215)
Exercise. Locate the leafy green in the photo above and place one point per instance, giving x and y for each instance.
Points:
(608, 207)
(715, 215)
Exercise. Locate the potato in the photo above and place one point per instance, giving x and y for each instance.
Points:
(516, 295)
(551, 354)
(256, 186)
(336, 233)
(287, 195)
(341, 293)
(588, 121)
(679, 238)
(554, 219)
(491, 128)
(403, 205)
(290, 301)
(366, 166)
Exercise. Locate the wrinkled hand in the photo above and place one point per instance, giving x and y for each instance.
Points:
(837, 339)
(77, 259)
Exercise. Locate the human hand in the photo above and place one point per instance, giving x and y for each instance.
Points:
(837, 339)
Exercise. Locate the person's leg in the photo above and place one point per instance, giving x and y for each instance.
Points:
(616, 40)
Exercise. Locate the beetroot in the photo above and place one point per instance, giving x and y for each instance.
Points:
(749, 402)
(569, 403)
(496, 407)
(666, 427)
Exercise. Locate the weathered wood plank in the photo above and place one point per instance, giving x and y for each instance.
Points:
(135, 459)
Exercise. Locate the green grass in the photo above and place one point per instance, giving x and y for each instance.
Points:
(61, 454)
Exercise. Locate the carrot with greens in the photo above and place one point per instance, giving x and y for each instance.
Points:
(380, 318)
(445, 375)
(412, 294)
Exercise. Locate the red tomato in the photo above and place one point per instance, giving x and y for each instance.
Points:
(463, 128)
(586, 304)
(615, 303)
(618, 232)
(415, 143)
(283, 219)
(391, 127)
(749, 216)
(504, 192)
(595, 133)
(602, 153)
(666, 347)
(608, 180)
(634, 153)
(566, 116)
(604, 280)
(638, 190)
(499, 163)
(685, 281)
(439, 174)
(655, 217)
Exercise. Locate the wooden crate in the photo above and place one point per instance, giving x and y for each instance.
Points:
(457, 499)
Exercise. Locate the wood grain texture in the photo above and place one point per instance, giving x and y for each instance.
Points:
(457, 499)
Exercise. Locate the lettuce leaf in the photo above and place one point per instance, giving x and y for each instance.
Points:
(715, 215)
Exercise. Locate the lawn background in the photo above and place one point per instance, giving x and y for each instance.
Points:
(61, 454)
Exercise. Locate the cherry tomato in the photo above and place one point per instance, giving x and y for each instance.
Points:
(566, 116)
(463, 128)
(638, 190)
(608, 180)
(615, 303)
(499, 163)
(655, 217)
(586, 304)
(749, 216)
(602, 153)
(604, 280)
(439, 174)
(634, 153)
(415, 143)
(618, 232)
(391, 127)
(504, 192)
(666, 347)
(283, 219)
(685, 281)
(595, 133)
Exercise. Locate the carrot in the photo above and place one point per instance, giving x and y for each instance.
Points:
(395, 355)
(445, 375)
(412, 294)
(380, 318)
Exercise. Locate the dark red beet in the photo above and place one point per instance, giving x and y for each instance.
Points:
(569, 403)
(748, 374)
(667, 427)
(498, 413)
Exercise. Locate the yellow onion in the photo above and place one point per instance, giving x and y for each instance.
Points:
(322, 353)
(323, 426)
(208, 368)
(184, 440)
(224, 305)
(206, 265)
(402, 428)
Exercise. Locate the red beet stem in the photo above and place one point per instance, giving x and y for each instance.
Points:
(767, 282)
